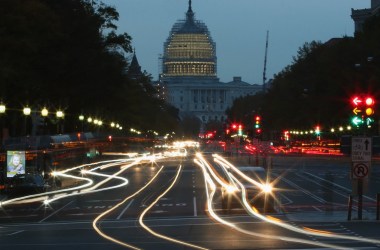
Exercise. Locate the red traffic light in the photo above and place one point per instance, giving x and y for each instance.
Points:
(359, 100)
(257, 118)
(369, 101)
(356, 101)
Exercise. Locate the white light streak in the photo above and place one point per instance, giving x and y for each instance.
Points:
(97, 219)
(308, 231)
(151, 205)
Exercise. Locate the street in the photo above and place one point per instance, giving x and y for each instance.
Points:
(164, 205)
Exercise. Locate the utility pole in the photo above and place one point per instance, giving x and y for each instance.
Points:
(265, 62)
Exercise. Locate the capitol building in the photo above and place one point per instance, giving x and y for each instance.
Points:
(189, 78)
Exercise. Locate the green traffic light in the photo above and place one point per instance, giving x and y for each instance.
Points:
(356, 121)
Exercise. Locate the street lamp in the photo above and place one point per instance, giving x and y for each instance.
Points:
(2, 108)
(44, 112)
(2, 111)
(81, 119)
(60, 116)
(27, 111)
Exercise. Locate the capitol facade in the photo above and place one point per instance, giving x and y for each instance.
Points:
(189, 73)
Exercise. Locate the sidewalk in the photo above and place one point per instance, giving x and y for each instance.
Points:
(328, 216)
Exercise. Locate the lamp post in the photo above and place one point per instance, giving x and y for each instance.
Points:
(2, 108)
(81, 119)
(2, 111)
(26, 111)
(60, 116)
(44, 114)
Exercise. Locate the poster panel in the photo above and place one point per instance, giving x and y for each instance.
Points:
(15, 163)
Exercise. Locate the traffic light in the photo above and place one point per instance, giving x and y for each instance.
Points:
(369, 103)
(258, 124)
(240, 130)
(364, 108)
(257, 121)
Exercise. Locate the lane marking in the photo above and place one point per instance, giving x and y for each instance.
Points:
(125, 209)
(319, 210)
(55, 212)
(16, 232)
(195, 206)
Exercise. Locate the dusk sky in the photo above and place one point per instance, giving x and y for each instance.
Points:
(239, 29)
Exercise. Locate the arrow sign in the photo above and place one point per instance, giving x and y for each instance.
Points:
(357, 101)
(369, 121)
(356, 121)
(366, 142)
(356, 111)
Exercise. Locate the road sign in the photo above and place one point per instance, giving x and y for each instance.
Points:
(361, 149)
(360, 170)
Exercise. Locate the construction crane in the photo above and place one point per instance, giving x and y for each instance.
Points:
(265, 63)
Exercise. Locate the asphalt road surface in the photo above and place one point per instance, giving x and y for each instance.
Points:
(165, 205)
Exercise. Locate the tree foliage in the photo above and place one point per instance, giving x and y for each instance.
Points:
(68, 54)
(316, 87)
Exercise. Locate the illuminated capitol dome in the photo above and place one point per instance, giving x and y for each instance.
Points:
(189, 73)
(189, 50)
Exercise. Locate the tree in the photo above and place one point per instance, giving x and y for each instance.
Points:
(68, 54)
(316, 87)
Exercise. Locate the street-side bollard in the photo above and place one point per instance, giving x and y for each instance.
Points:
(349, 207)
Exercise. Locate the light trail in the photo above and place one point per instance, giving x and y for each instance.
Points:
(223, 162)
(62, 193)
(92, 189)
(229, 187)
(152, 204)
(45, 195)
(308, 231)
(208, 181)
(100, 232)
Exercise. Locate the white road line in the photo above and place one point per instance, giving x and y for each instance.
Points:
(125, 209)
(195, 206)
(56, 212)
(319, 210)
(16, 232)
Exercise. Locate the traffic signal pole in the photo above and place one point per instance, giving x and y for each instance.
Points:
(360, 199)
(361, 147)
